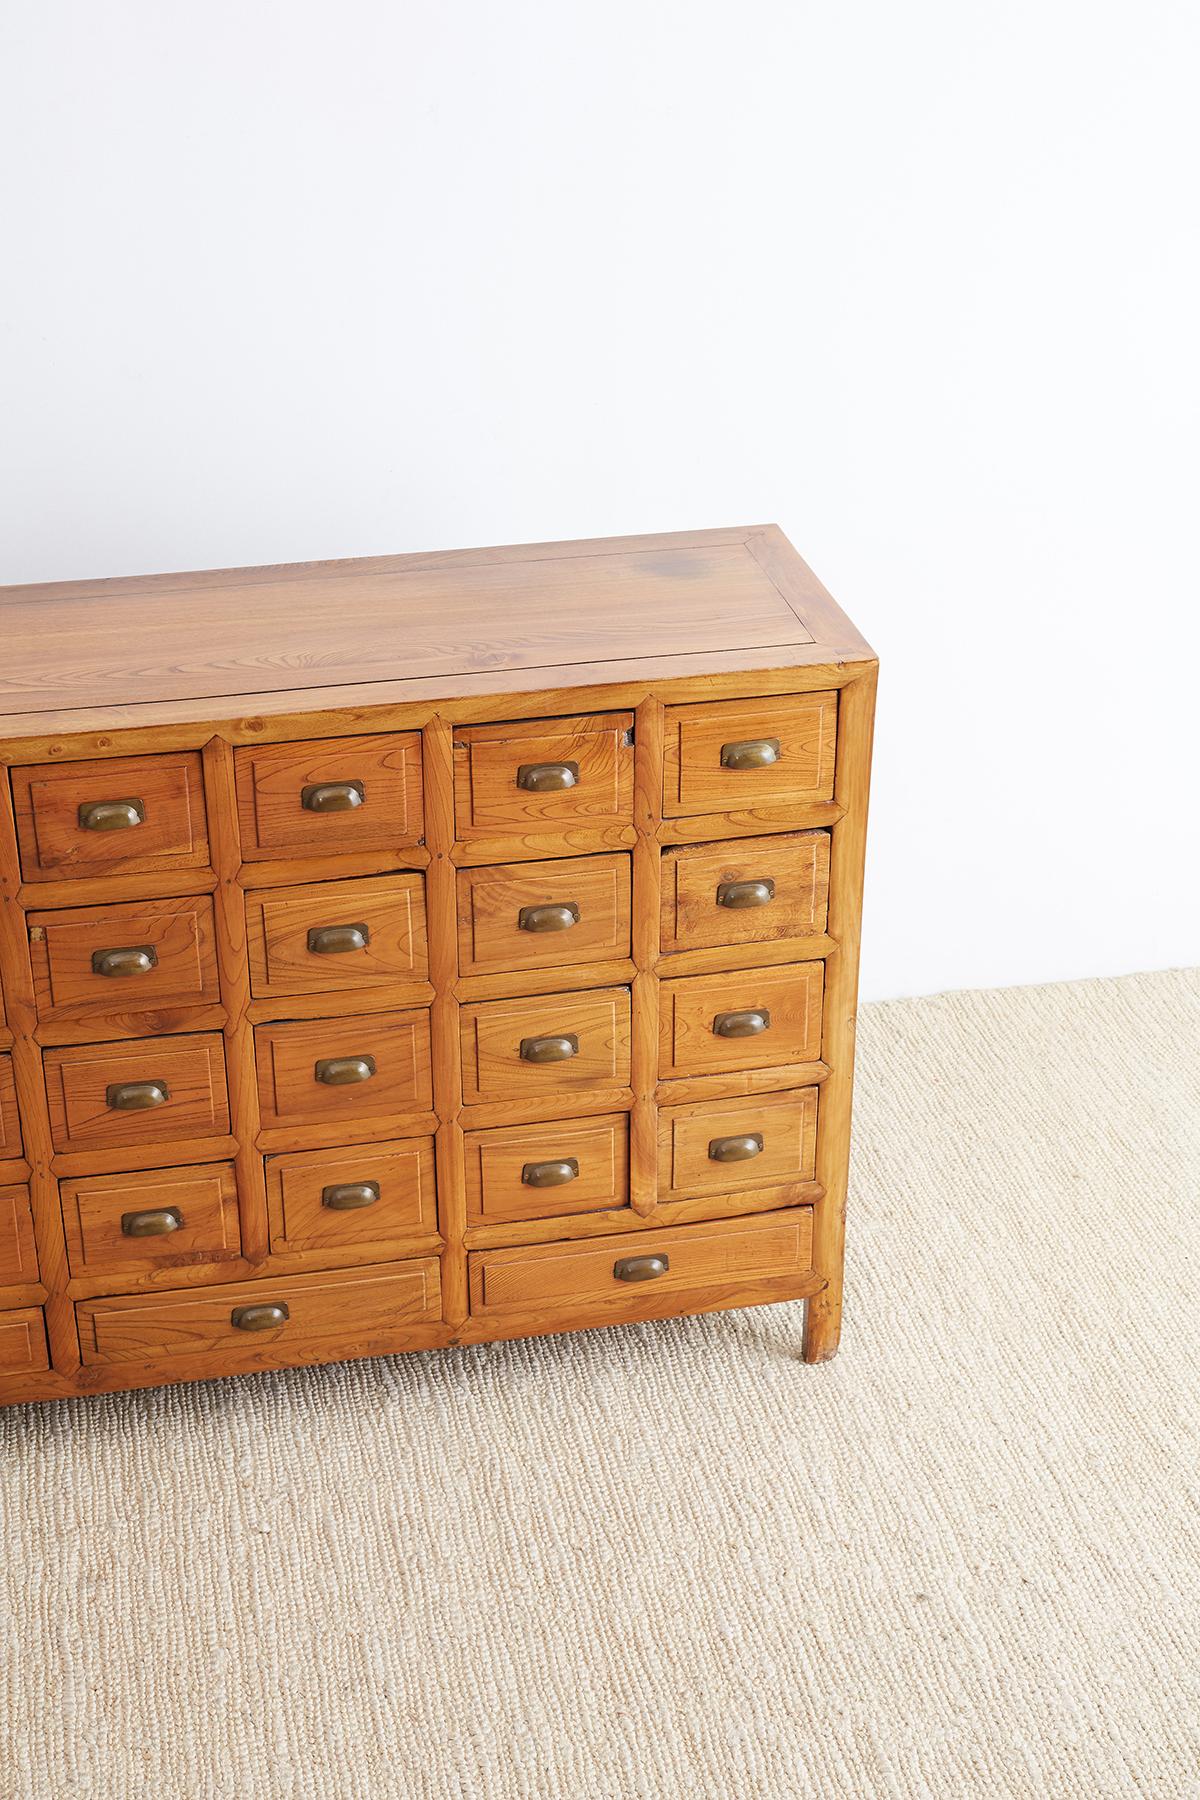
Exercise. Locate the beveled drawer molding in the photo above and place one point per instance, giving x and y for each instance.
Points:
(422, 951)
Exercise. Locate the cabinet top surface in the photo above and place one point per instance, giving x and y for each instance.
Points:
(86, 655)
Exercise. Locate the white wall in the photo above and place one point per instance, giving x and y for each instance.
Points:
(290, 280)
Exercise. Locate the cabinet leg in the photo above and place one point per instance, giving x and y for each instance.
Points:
(823, 1324)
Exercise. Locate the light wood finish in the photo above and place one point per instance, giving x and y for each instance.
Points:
(493, 1034)
(291, 1092)
(284, 931)
(168, 792)
(276, 783)
(699, 1145)
(18, 1252)
(516, 1172)
(23, 1341)
(751, 892)
(564, 913)
(102, 1214)
(189, 1070)
(10, 1120)
(491, 803)
(315, 1199)
(173, 940)
(788, 998)
(801, 731)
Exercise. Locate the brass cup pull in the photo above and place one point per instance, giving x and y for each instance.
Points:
(338, 940)
(742, 1024)
(134, 959)
(112, 815)
(550, 1174)
(344, 1071)
(350, 1196)
(736, 1149)
(332, 796)
(738, 895)
(549, 1049)
(259, 1318)
(750, 753)
(641, 1268)
(548, 918)
(159, 1223)
(136, 1096)
(547, 778)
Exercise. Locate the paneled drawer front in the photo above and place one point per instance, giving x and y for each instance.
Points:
(330, 797)
(543, 915)
(753, 891)
(144, 1091)
(737, 755)
(23, 1341)
(368, 1199)
(341, 1310)
(748, 1019)
(337, 935)
(124, 814)
(318, 1071)
(10, 1124)
(18, 1255)
(140, 955)
(720, 1146)
(542, 1171)
(155, 1219)
(543, 776)
(534, 1049)
(613, 1274)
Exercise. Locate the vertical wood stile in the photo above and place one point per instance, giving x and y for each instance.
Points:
(233, 971)
(856, 711)
(441, 909)
(647, 891)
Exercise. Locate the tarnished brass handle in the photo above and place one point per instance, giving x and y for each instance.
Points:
(112, 815)
(750, 753)
(136, 1096)
(338, 940)
(738, 895)
(641, 1268)
(134, 959)
(332, 796)
(344, 1071)
(742, 1024)
(550, 1174)
(548, 918)
(549, 1049)
(736, 1149)
(159, 1223)
(547, 778)
(350, 1196)
(259, 1318)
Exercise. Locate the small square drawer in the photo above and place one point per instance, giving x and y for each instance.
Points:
(554, 1044)
(543, 915)
(719, 1263)
(344, 1311)
(330, 797)
(138, 956)
(10, 1123)
(23, 1341)
(126, 814)
(375, 1200)
(544, 776)
(738, 755)
(154, 1219)
(18, 1254)
(326, 1071)
(720, 1146)
(337, 936)
(145, 1091)
(542, 1171)
(753, 891)
(748, 1019)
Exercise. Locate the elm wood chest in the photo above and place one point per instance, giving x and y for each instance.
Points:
(423, 950)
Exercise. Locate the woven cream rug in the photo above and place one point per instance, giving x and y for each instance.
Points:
(962, 1560)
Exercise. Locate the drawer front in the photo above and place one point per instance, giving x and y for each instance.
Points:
(330, 797)
(737, 755)
(722, 1146)
(748, 1019)
(371, 1199)
(94, 961)
(145, 1091)
(342, 1310)
(10, 1124)
(754, 891)
(322, 1071)
(155, 1219)
(542, 1171)
(543, 915)
(128, 813)
(337, 935)
(18, 1254)
(555, 1044)
(543, 776)
(23, 1341)
(591, 1275)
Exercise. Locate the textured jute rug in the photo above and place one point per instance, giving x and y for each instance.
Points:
(961, 1560)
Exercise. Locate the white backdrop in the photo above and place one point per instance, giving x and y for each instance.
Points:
(291, 280)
